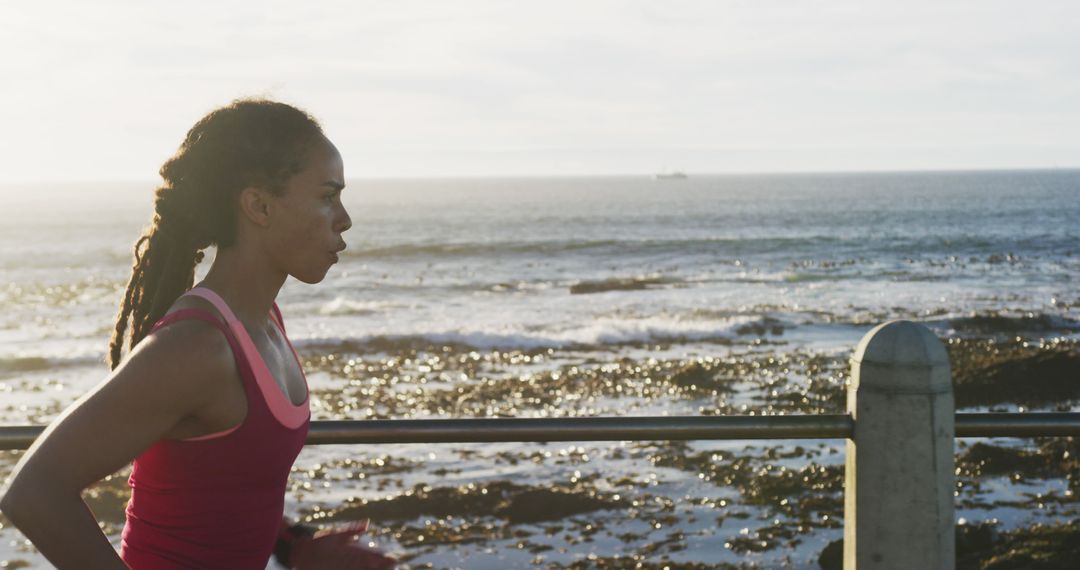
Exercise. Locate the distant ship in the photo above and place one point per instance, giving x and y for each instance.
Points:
(670, 176)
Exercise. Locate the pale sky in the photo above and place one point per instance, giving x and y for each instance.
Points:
(105, 90)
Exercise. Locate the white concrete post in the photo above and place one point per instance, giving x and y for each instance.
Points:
(899, 478)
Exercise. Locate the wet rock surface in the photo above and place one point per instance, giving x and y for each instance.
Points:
(1017, 371)
(773, 497)
(1028, 324)
(516, 504)
(475, 384)
(984, 546)
(1038, 547)
(1049, 458)
(655, 504)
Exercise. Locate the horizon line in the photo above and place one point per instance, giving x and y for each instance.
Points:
(689, 173)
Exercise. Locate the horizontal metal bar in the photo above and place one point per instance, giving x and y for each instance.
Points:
(1017, 425)
(582, 429)
(652, 428)
(18, 437)
(545, 429)
(823, 426)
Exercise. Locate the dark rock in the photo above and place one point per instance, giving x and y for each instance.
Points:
(985, 459)
(538, 505)
(994, 324)
(994, 372)
(981, 546)
(614, 284)
(515, 503)
(975, 542)
(1038, 547)
(832, 556)
(693, 374)
(767, 325)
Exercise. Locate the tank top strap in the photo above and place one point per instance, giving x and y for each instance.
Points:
(216, 301)
(288, 414)
(196, 315)
(247, 345)
(276, 312)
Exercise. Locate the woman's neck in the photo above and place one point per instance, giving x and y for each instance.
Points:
(248, 283)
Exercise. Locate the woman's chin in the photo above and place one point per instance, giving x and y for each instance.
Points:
(311, 277)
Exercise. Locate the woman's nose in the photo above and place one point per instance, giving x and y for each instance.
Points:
(343, 222)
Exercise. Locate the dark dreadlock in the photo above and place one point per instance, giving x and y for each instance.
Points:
(251, 142)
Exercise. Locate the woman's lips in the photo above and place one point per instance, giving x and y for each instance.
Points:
(334, 252)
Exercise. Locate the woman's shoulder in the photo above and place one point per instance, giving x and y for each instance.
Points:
(194, 302)
(182, 330)
(192, 349)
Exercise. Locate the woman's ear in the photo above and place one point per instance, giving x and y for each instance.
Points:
(255, 205)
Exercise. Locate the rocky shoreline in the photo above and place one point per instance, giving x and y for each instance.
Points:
(661, 501)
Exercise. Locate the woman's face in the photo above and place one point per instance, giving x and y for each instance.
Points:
(306, 234)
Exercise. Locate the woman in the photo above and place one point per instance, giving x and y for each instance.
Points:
(211, 402)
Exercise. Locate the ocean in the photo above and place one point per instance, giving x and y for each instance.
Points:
(548, 297)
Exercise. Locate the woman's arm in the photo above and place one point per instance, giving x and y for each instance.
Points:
(171, 374)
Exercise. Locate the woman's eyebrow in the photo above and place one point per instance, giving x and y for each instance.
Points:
(334, 184)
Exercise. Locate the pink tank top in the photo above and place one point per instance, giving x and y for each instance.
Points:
(217, 501)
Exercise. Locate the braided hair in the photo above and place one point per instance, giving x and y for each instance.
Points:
(248, 143)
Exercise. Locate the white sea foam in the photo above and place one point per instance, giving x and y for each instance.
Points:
(342, 305)
(591, 335)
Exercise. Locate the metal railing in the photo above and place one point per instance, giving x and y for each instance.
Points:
(630, 428)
